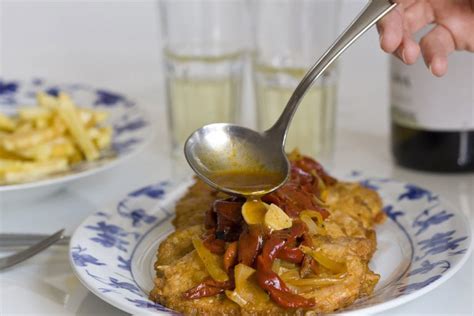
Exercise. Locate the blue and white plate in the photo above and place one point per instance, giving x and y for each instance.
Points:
(131, 128)
(421, 245)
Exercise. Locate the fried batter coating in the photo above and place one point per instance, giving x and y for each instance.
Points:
(178, 244)
(191, 208)
(356, 201)
(350, 237)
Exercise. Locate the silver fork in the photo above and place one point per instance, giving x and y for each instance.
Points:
(21, 256)
(21, 240)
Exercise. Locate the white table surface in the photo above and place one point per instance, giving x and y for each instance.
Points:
(93, 44)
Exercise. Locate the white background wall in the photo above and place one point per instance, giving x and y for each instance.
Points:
(116, 44)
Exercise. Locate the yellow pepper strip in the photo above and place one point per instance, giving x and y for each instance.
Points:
(212, 262)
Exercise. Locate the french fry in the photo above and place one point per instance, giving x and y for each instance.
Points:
(100, 116)
(34, 113)
(76, 156)
(46, 101)
(4, 154)
(6, 123)
(60, 147)
(92, 117)
(49, 138)
(67, 112)
(9, 165)
(40, 123)
(32, 170)
(24, 127)
(105, 137)
(86, 117)
(30, 138)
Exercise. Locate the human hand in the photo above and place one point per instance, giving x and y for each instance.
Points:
(453, 30)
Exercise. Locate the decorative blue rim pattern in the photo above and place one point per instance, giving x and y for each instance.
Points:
(132, 129)
(106, 247)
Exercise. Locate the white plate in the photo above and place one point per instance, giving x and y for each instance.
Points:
(421, 245)
(132, 130)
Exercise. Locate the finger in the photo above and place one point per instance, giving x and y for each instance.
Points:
(409, 50)
(391, 30)
(418, 15)
(435, 47)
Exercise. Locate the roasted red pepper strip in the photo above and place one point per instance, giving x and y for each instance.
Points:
(229, 219)
(230, 256)
(216, 246)
(299, 192)
(210, 219)
(208, 287)
(308, 165)
(293, 199)
(297, 230)
(290, 300)
(270, 250)
(229, 209)
(289, 252)
(250, 243)
(271, 282)
(202, 290)
(294, 255)
(279, 292)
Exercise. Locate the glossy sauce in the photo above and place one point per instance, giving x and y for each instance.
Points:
(250, 183)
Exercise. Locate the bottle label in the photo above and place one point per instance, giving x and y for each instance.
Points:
(420, 100)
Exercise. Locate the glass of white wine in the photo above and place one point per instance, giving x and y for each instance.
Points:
(204, 56)
(289, 35)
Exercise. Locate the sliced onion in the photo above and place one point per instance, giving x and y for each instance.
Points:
(276, 265)
(236, 298)
(312, 227)
(320, 182)
(320, 201)
(307, 217)
(313, 214)
(246, 290)
(323, 260)
(288, 265)
(212, 262)
(276, 218)
(314, 282)
(303, 285)
(290, 275)
(253, 212)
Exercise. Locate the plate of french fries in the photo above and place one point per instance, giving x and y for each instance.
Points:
(56, 133)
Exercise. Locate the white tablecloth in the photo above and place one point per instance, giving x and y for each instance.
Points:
(115, 44)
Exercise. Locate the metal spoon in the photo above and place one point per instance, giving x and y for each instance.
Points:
(218, 153)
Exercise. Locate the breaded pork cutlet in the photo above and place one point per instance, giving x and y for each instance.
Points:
(226, 260)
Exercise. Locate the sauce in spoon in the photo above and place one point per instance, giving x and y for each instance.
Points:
(247, 182)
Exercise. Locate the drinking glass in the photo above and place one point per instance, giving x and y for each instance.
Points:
(290, 35)
(204, 54)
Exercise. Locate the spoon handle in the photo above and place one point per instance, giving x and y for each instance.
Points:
(374, 11)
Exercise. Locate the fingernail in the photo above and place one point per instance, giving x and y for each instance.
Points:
(431, 70)
(381, 39)
(403, 56)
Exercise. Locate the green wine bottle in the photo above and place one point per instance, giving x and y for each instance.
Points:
(433, 118)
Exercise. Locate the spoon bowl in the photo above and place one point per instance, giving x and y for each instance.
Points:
(236, 159)
(240, 161)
